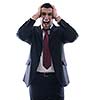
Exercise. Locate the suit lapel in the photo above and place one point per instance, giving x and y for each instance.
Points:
(52, 30)
(39, 32)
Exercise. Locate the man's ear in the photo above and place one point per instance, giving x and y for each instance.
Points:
(53, 9)
(53, 13)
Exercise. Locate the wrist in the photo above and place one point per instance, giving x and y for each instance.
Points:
(57, 18)
(35, 17)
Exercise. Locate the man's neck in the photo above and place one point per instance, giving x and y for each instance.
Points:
(49, 27)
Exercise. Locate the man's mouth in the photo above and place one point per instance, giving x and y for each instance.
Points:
(46, 21)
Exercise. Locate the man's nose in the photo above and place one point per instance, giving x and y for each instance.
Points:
(46, 16)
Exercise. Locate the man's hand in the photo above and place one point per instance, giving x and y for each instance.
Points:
(54, 12)
(37, 15)
(55, 15)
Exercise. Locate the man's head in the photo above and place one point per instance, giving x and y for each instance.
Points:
(46, 15)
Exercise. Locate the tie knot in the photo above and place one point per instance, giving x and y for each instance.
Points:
(46, 32)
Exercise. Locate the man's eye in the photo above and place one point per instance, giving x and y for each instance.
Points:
(43, 14)
(49, 14)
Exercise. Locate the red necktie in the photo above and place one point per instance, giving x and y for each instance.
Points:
(46, 51)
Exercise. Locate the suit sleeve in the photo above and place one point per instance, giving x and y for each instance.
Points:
(25, 31)
(68, 33)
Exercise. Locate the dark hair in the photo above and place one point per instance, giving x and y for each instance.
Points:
(46, 5)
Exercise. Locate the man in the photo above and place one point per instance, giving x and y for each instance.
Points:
(47, 74)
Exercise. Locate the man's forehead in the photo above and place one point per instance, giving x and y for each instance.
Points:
(46, 9)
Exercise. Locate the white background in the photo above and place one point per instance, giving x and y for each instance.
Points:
(82, 56)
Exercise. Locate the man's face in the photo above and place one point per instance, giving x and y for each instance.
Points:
(46, 15)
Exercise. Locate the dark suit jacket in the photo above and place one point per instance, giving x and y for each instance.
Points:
(59, 35)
